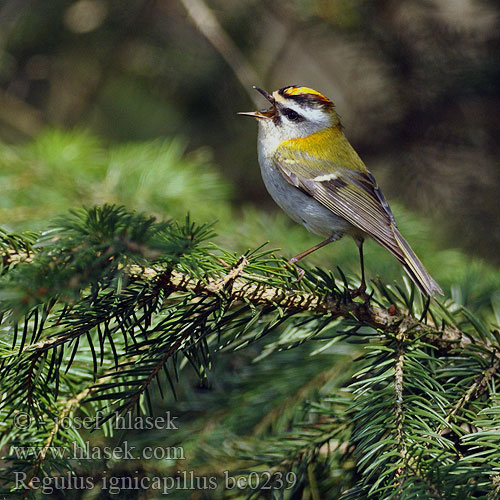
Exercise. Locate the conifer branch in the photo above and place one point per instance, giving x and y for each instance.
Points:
(149, 297)
(398, 404)
(66, 409)
(240, 288)
(253, 289)
(494, 494)
(316, 382)
(474, 390)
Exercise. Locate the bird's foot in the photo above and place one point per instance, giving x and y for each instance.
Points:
(361, 292)
(293, 263)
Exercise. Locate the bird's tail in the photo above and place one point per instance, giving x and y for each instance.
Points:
(415, 269)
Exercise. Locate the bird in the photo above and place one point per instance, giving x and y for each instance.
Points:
(314, 175)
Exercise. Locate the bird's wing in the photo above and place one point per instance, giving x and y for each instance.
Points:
(351, 194)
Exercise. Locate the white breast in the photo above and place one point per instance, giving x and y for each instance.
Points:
(301, 207)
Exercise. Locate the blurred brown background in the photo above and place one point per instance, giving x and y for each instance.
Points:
(415, 82)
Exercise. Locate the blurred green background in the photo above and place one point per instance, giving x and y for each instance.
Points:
(135, 102)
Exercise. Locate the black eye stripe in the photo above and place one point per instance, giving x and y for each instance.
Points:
(292, 115)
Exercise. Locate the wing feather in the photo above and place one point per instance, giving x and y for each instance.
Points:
(351, 194)
(354, 195)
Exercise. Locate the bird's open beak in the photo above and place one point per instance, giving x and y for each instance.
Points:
(268, 96)
(267, 114)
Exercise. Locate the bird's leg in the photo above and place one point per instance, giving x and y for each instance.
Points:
(362, 287)
(361, 291)
(300, 256)
(294, 260)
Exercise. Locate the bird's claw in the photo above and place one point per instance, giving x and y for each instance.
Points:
(361, 292)
(292, 263)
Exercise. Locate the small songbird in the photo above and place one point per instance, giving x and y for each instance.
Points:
(313, 173)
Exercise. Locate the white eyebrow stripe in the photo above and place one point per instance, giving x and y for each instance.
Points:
(310, 112)
(327, 177)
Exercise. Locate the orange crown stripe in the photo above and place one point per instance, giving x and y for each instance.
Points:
(305, 90)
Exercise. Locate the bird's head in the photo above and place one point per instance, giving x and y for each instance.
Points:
(295, 112)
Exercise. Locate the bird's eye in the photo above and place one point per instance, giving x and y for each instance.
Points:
(292, 115)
